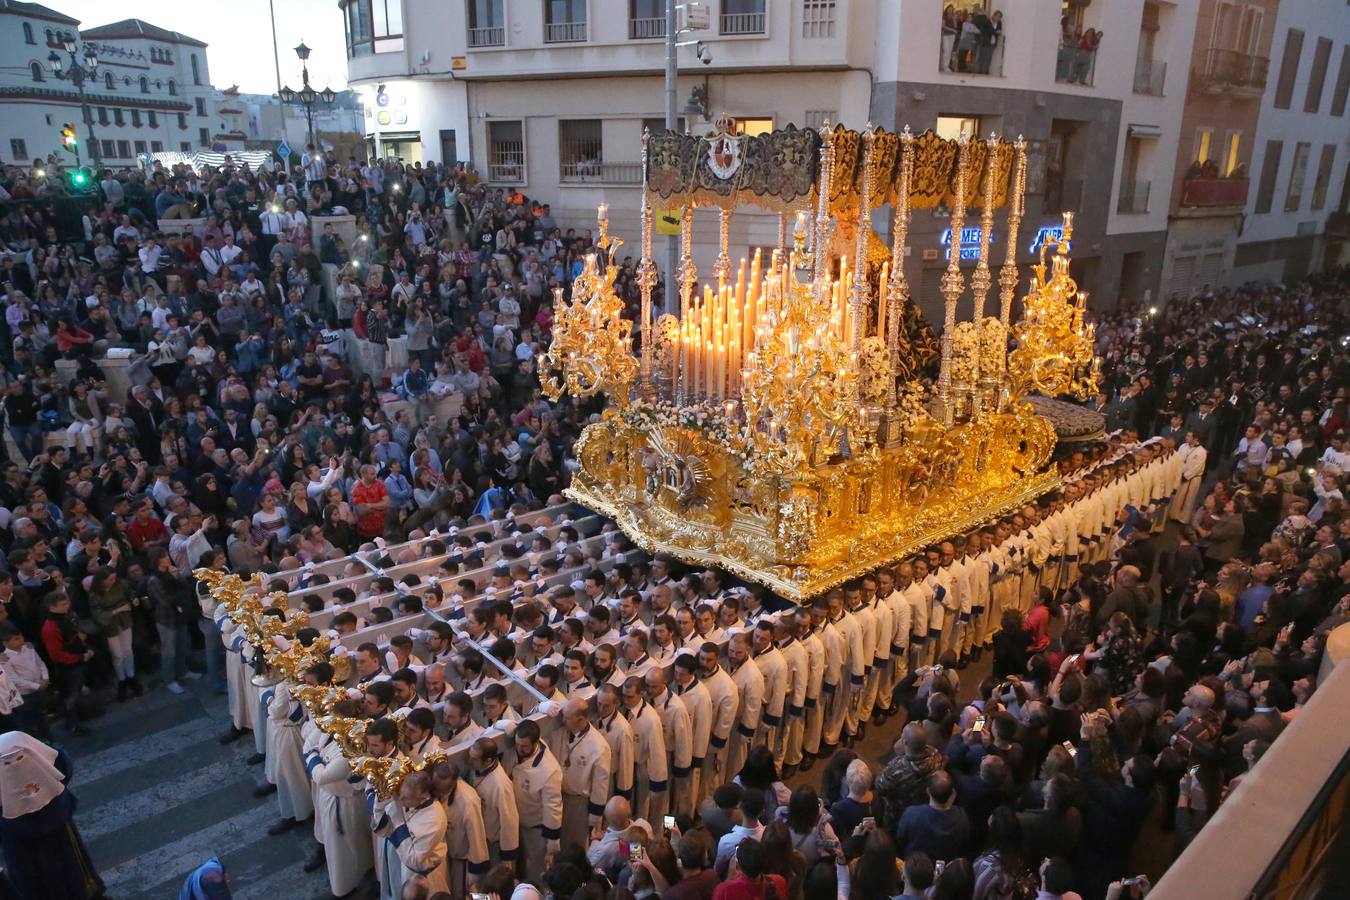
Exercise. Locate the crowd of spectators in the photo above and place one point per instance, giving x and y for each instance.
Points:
(1146, 688)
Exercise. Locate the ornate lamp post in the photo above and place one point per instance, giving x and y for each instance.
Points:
(82, 67)
(306, 96)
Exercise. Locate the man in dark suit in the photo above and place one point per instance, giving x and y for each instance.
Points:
(147, 413)
(1203, 423)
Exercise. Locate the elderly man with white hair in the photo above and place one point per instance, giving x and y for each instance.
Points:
(609, 851)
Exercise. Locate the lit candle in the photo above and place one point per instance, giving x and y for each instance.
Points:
(602, 211)
(883, 293)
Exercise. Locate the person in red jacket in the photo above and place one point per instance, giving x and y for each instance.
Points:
(67, 651)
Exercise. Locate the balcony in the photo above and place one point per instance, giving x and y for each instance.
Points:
(1076, 65)
(742, 23)
(564, 32)
(487, 37)
(1200, 192)
(597, 172)
(1133, 197)
(1234, 72)
(1149, 76)
(646, 29)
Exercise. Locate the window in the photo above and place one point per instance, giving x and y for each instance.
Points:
(18, 149)
(173, 88)
(1342, 84)
(204, 135)
(140, 147)
(152, 118)
(1298, 172)
(107, 81)
(564, 21)
(103, 115)
(487, 23)
(1230, 153)
(185, 146)
(1204, 137)
(145, 85)
(196, 70)
(742, 17)
(109, 149)
(752, 126)
(953, 128)
(1293, 49)
(1316, 78)
(374, 26)
(156, 146)
(182, 120)
(201, 106)
(135, 118)
(817, 118)
(506, 151)
(1323, 179)
(28, 34)
(580, 149)
(117, 117)
(646, 19)
(1270, 169)
(35, 69)
(818, 18)
(124, 149)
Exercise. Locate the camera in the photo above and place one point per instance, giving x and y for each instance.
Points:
(703, 53)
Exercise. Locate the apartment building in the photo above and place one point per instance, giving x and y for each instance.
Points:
(1229, 72)
(552, 97)
(151, 90)
(1296, 209)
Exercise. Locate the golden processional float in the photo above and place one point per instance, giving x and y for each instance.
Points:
(782, 428)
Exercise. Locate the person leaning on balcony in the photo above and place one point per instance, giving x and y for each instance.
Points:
(951, 26)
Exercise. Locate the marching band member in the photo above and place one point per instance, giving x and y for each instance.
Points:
(341, 816)
(413, 826)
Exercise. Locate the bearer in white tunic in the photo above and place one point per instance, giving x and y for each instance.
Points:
(789, 749)
(288, 765)
(342, 817)
(585, 772)
(651, 784)
(413, 829)
(1193, 456)
(539, 784)
(724, 694)
(619, 736)
(501, 816)
(698, 703)
(466, 839)
(774, 669)
(812, 717)
(749, 682)
(677, 728)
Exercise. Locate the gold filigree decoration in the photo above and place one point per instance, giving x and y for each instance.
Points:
(592, 342)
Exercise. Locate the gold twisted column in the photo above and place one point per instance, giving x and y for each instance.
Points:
(821, 234)
(1007, 276)
(722, 267)
(981, 280)
(688, 278)
(952, 284)
(897, 290)
(858, 294)
(646, 277)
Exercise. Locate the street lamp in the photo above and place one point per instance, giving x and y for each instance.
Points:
(306, 96)
(83, 67)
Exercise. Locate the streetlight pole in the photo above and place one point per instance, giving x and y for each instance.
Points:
(306, 96)
(669, 295)
(78, 72)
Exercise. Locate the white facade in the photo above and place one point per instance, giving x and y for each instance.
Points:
(557, 107)
(1302, 149)
(152, 91)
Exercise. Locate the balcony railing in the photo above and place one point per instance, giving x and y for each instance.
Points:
(1133, 197)
(1149, 76)
(487, 37)
(742, 23)
(601, 172)
(643, 29)
(1063, 194)
(1200, 192)
(1233, 70)
(977, 60)
(564, 32)
(1075, 65)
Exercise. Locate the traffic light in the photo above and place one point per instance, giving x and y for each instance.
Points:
(81, 180)
(69, 139)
